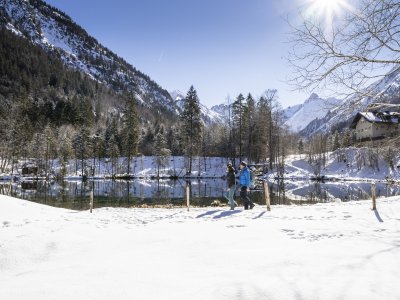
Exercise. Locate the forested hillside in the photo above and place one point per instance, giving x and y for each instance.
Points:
(63, 95)
(43, 104)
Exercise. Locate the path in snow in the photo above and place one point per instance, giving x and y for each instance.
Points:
(324, 251)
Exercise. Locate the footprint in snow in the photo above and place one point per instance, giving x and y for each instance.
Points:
(236, 226)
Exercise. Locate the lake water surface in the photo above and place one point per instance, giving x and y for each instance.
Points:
(135, 193)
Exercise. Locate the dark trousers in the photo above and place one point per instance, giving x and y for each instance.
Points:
(245, 198)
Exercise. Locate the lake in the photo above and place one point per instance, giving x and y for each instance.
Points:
(139, 193)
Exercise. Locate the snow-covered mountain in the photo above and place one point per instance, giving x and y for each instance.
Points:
(208, 115)
(386, 90)
(291, 110)
(222, 110)
(299, 116)
(59, 35)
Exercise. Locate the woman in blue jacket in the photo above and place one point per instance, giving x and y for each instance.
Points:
(244, 180)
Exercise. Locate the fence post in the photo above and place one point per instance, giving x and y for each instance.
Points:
(266, 192)
(187, 196)
(373, 194)
(91, 196)
(91, 200)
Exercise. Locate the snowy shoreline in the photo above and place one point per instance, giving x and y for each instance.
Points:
(320, 251)
(350, 164)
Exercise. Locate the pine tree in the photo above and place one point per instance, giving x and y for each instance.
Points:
(300, 146)
(81, 146)
(160, 149)
(111, 149)
(238, 122)
(249, 127)
(263, 130)
(51, 148)
(64, 148)
(173, 138)
(336, 144)
(37, 149)
(130, 132)
(191, 127)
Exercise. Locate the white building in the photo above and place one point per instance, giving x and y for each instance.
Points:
(374, 125)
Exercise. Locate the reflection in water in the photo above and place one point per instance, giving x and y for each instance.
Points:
(109, 193)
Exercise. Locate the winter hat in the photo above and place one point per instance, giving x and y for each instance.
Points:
(243, 163)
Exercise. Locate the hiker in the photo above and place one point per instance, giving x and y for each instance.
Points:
(244, 180)
(231, 183)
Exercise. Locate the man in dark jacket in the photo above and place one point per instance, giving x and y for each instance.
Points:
(231, 183)
(244, 180)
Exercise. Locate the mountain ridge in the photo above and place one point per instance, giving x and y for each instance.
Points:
(385, 90)
(298, 117)
(59, 35)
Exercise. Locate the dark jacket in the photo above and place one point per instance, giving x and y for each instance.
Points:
(230, 179)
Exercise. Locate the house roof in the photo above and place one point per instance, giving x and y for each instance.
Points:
(387, 117)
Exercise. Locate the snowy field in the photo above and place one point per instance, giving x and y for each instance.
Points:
(324, 251)
(349, 164)
(355, 164)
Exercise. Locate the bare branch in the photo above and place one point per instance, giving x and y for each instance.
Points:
(347, 56)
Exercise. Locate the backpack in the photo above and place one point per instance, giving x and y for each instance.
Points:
(252, 178)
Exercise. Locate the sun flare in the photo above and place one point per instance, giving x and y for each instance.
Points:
(327, 9)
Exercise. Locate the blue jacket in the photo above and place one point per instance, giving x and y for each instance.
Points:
(244, 177)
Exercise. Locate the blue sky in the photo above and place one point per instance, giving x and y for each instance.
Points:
(221, 47)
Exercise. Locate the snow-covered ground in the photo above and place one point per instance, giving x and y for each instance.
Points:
(356, 164)
(140, 167)
(323, 251)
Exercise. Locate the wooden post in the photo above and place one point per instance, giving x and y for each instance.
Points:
(91, 198)
(187, 196)
(373, 194)
(266, 192)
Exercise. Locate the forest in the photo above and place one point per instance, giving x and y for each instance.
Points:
(49, 111)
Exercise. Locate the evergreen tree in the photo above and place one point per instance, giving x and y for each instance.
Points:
(130, 132)
(238, 123)
(65, 150)
(262, 129)
(81, 146)
(51, 147)
(111, 149)
(300, 146)
(37, 149)
(191, 127)
(160, 150)
(336, 144)
(173, 141)
(249, 127)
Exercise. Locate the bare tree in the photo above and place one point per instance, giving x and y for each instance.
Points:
(344, 56)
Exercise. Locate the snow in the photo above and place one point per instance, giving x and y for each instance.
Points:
(354, 166)
(323, 251)
(314, 107)
(291, 110)
(78, 50)
(11, 27)
(385, 90)
(52, 36)
(383, 117)
(208, 115)
(146, 167)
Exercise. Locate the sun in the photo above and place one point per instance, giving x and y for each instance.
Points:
(327, 9)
